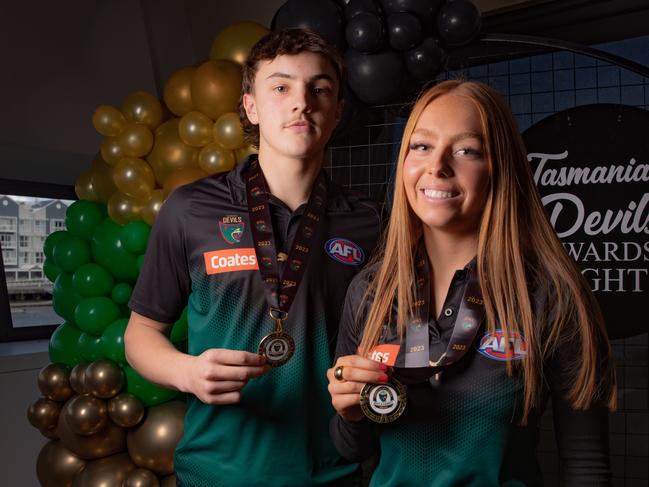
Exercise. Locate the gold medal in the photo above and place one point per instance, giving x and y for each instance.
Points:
(277, 347)
(383, 403)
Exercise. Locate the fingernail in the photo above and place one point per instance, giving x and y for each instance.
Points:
(383, 378)
(383, 367)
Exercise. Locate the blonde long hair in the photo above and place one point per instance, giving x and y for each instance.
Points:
(517, 248)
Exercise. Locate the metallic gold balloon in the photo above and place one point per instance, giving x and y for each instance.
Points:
(244, 152)
(108, 120)
(104, 378)
(50, 434)
(111, 150)
(168, 481)
(54, 382)
(106, 472)
(178, 91)
(134, 177)
(195, 129)
(169, 152)
(216, 87)
(141, 477)
(151, 207)
(228, 131)
(84, 187)
(85, 414)
(152, 443)
(102, 178)
(122, 208)
(143, 107)
(77, 378)
(57, 466)
(136, 140)
(44, 413)
(213, 158)
(235, 41)
(125, 410)
(110, 440)
(180, 178)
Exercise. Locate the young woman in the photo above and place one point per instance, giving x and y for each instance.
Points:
(472, 319)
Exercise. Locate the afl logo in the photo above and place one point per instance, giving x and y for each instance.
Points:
(344, 251)
(493, 346)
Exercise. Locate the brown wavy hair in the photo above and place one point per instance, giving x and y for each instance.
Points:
(283, 42)
(518, 253)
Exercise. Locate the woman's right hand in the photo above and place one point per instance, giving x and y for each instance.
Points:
(356, 372)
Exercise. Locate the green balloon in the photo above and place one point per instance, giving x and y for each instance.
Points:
(134, 236)
(112, 341)
(93, 315)
(70, 253)
(150, 394)
(64, 298)
(82, 217)
(108, 251)
(90, 347)
(122, 293)
(50, 269)
(50, 242)
(64, 345)
(180, 329)
(92, 280)
(140, 263)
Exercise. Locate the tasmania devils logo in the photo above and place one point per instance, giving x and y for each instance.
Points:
(494, 346)
(344, 251)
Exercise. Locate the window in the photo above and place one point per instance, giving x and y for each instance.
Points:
(26, 310)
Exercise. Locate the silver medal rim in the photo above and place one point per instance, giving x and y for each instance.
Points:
(290, 348)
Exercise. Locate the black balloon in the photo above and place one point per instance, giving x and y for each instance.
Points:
(425, 10)
(374, 78)
(458, 22)
(404, 30)
(356, 7)
(426, 60)
(365, 33)
(322, 16)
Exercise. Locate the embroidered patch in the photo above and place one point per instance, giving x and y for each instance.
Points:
(494, 346)
(345, 251)
(231, 228)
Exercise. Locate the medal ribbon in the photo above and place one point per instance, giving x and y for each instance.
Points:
(280, 291)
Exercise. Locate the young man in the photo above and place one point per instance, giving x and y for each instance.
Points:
(263, 256)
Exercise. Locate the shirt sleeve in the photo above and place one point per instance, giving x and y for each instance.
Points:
(358, 440)
(164, 283)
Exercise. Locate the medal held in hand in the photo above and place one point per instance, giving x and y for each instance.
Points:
(277, 347)
(383, 403)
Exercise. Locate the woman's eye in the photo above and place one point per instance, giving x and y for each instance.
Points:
(419, 147)
(468, 151)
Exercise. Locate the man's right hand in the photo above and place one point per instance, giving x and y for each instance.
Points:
(217, 375)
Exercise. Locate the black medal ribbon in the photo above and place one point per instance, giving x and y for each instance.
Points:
(280, 291)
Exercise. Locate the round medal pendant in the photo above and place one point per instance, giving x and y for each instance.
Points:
(278, 348)
(383, 403)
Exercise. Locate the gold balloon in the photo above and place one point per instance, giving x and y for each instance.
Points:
(125, 410)
(102, 178)
(169, 152)
(104, 378)
(134, 177)
(195, 129)
(141, 477)
(244, 152)
(180, 178)
(216, 87)
(111, 150)
(143, 107)
(54, 382)
(228, 131)
(106, 472)
(84, 187)
(110, 440)
(108, 120)
(50, 434)
(57, 466)
(235, 41)
(44, 414)
(122, 208)
(77, 378)
(152, 443)
(178, 91)
(214, 158)
(136, 140)
(169, 481)
(85, 414)
(151, 206)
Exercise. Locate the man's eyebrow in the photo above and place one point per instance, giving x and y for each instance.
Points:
(317, 77)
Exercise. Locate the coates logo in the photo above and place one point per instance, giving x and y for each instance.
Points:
(494, 346)
(230, 260)
(344, 251)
